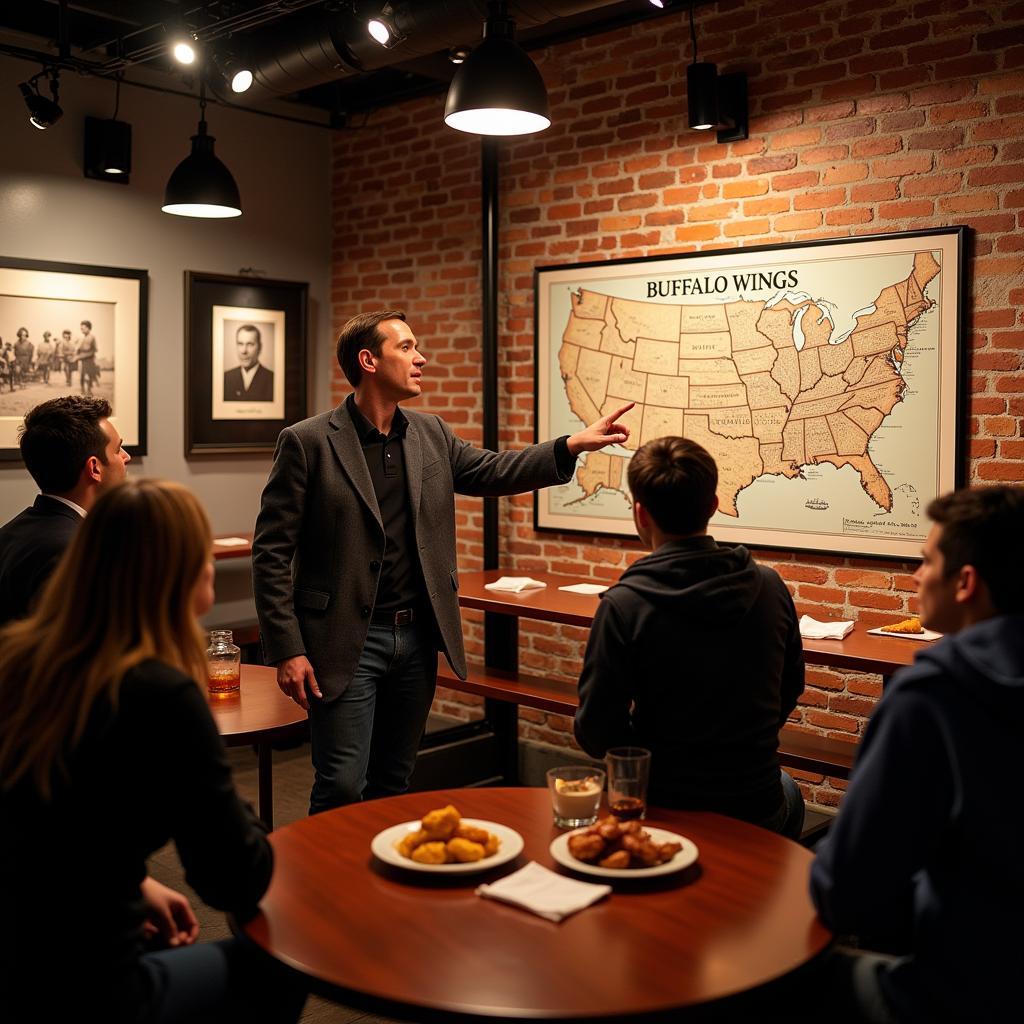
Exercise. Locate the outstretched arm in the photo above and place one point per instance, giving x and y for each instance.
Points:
(601, 433)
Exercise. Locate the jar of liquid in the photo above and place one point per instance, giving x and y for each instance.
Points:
(223, 662)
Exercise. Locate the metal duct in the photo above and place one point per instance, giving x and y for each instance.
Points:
(318, 47)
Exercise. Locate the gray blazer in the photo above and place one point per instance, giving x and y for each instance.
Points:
(319, 539)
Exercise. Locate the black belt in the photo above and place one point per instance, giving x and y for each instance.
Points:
(401, 617)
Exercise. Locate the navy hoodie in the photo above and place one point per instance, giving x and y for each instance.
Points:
(695, 654)
(926, 858)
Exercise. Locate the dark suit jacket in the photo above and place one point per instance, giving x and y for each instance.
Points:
(261, 389)
(319, 539)
(30, 547)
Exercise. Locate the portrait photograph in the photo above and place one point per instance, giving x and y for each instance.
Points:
(245, 365)
(245, 361)
(68, 329)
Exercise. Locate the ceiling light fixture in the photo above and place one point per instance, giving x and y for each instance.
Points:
(498, 90)
(384, 28)
(182, 45)
(713, 100)
(108, 145)
(201, 186)
(235, 72)
(43, 113)
(458, 54)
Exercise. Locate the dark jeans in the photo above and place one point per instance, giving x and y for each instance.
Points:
(365, 742)
(215, 982)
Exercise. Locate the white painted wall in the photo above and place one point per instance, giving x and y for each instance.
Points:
(50, 211)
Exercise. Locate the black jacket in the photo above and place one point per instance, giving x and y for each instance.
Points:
(151, 771)
(926, 857)
(30, 548)
(703, 643)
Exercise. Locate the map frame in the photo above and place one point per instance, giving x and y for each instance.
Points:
(561, 400)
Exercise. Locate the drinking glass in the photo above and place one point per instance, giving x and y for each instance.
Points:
(575, 795)
(628, 771)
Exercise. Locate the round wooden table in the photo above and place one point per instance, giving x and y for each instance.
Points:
(426, 947)
(257, 714)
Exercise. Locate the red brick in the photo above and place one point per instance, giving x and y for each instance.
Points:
(898, 166)
(1006, 472)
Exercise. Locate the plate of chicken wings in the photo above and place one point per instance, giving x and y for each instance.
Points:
(623, 849)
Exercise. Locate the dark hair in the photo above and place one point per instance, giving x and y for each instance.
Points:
(59, 435)
(359, 333)
(20, 331)
(255, 330)
(984, 527)
(86, 323)
(675, 480)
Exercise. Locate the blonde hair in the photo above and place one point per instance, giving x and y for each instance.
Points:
(122, 594)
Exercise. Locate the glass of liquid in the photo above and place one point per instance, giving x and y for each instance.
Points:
(223, 663)
(628, 771)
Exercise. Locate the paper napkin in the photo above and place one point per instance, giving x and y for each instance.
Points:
(585, 588)
(815, 630)
(543, 892)
(514, 584)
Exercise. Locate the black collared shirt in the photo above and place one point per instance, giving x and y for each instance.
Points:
(401, 582)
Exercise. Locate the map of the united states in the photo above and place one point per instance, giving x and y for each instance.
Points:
(763, 385)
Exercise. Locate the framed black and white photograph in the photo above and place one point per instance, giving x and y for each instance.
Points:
(68, 328)
(245, 361)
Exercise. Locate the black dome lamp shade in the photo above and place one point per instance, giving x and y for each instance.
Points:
(201, 186)
(498, 90)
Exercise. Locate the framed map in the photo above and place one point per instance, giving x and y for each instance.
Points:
(824, 377)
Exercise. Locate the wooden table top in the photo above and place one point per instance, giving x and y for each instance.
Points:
(859, 650)
(259, 707)
(223, 551)
(399, 942)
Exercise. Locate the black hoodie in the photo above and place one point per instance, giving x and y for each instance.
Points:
(703, 643)
(926, 857)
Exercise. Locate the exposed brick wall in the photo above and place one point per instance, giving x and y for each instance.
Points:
(866, 116)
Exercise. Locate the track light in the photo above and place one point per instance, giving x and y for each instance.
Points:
(235, 72)
(108, 150)
(201, 186)
(43, 113)
(384, 28)
(498, 90)
(714, 100)
(183, 47)
(458, 54)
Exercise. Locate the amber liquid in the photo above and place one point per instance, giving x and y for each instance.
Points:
(223, 678)
(628, 808)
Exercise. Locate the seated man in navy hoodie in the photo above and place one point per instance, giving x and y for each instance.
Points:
(695, 653)
(925, 858)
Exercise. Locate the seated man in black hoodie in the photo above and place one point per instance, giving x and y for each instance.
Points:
(924, 859)
(695, 653)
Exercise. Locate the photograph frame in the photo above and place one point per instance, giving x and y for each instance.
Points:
(865, 537)
(218, 307)
(125, 290)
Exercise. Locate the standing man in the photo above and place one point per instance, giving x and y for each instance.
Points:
(354, 562)
(23, 352)
(66, 351)
(924, 860)
(695, 653)
(74, 454)
(44, 356)
(85, 356)
(250, 381)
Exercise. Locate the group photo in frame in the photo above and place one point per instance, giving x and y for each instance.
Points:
(70, 328)
(245, 361)
(825, 378)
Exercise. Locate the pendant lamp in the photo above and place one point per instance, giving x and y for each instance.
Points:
(498, 90)
(201, 186)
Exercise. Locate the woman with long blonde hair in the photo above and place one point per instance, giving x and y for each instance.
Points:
(107, 751)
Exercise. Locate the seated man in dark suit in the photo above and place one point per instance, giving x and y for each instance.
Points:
(695, 653)
(74, 453)
(924, 860)
(250, 381)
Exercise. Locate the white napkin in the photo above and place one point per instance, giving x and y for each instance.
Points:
(815, 630)
(585, 588)
(514, 584)
(231, 542)
(544, 892)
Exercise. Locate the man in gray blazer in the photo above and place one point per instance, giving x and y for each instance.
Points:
(354, 565)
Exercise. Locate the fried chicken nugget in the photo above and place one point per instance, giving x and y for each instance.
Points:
(441, 824)
(492, 845)
(430, 853)
(618, 859)
(470, 832)
(411, 841)
(667, 851)
(463, 851)
(586, 847)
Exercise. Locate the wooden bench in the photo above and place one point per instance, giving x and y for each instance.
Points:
(798, 749)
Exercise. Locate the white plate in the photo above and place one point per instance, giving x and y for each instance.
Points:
(928, 634)
(384, 846)
(683, 859)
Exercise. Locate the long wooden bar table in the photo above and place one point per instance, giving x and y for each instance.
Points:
(257, 714)
(503, 687)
